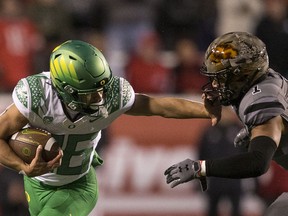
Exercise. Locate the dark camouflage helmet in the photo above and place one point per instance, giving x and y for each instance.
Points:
(235, 61)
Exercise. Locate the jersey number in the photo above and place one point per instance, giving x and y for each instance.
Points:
(75, 161)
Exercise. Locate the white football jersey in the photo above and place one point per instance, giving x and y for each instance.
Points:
(37, 100)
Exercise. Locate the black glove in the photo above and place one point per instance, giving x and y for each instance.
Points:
(242, 139)
(185, 171)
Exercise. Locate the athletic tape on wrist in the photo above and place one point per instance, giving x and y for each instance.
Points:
(203, 168)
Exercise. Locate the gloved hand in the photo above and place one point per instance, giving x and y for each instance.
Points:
(185, 171)
(242, 139)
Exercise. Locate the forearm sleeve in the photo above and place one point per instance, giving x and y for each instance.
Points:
(251, 164)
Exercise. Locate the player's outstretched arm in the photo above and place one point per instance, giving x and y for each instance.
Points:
(172, 107)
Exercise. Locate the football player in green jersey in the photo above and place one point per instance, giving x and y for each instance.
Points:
(238, 67)
(74, 101)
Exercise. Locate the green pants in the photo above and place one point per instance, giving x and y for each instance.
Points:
(75, 199)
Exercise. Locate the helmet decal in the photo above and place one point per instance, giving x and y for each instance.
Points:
(68, 68)
(102, 82)
(59, 68)
(223, 51)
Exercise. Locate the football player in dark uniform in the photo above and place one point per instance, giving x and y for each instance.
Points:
(238, 67)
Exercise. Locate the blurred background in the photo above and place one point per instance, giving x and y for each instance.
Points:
(158, 46)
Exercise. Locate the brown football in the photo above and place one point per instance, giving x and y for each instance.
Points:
(25, 142)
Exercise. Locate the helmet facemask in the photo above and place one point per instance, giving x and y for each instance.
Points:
(223, 90)
(83, 101)
(233, 62)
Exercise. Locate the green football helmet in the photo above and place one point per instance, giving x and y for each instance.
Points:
(235, 61)
(79, 72)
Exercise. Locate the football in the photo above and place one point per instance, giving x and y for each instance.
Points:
(25, 142)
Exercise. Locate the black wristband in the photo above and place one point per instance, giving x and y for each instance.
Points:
(251, 164)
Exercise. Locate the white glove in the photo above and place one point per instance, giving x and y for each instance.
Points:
(185, 171)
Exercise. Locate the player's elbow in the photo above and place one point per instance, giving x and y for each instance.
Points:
(260, 169)
(262, 149)
(260, 166)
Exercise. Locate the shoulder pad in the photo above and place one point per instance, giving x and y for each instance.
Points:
(262, 102)
(120, 92)
(29, 91)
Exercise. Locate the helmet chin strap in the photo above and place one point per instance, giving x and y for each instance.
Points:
(94, 109)
(99, 108)
(94, 106)
(102, 111)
